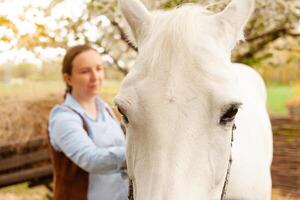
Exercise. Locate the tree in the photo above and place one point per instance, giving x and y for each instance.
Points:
(100, 22)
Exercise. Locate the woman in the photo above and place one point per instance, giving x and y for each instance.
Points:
(87, 143)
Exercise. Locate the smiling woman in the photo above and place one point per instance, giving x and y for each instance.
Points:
(86, 74)
(87, 143)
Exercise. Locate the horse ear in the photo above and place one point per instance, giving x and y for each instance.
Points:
(137, 16)
(233, 19)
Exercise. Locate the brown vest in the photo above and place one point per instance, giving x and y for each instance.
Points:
(70, 181)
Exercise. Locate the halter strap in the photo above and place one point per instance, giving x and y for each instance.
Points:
(84, 124)
(224, 190)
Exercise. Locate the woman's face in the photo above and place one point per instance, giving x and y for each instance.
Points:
(87, 74)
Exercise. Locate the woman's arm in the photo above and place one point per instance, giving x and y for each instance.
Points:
(67, 133)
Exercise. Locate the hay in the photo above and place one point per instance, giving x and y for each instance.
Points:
(23, 120)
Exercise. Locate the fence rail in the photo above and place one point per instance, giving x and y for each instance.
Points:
(25, 162)
(286, 156)
(30, 161)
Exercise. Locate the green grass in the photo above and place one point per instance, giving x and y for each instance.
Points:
(31, 90)
(277, 97)
(40, 89)
(277, 94)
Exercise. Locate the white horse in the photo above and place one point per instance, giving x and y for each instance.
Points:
(179, 103)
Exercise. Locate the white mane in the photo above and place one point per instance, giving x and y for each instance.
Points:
(176, 32)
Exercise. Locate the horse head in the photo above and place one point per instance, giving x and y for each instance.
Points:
(180, 99)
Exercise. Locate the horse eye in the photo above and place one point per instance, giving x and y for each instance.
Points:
(229, 115)
(124, 117)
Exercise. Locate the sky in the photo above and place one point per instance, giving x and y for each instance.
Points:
(13, 8)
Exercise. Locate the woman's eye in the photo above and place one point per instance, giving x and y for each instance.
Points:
(229, 115)
(124, 117)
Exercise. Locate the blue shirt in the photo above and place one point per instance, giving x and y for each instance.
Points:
(100, 153)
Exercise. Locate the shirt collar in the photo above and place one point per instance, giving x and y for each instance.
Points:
(73, 103)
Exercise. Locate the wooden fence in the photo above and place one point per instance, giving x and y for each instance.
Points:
(30, 161)
(286, 157)
(25, 162)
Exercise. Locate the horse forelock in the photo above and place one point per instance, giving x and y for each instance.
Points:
(177, 36)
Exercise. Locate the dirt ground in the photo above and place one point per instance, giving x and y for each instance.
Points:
(21, 192)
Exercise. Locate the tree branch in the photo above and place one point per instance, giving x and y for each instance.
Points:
(52, 4)
(274, 32)
(115, 61)
(262, 41)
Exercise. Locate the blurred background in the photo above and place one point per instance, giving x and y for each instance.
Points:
(34, 36)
